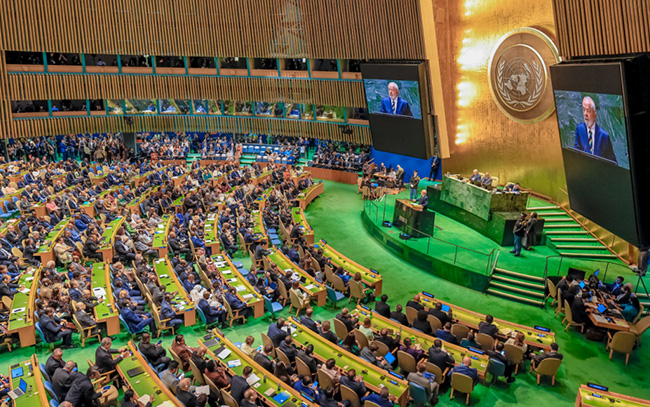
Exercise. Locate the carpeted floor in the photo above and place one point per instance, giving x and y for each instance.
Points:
(336, 217)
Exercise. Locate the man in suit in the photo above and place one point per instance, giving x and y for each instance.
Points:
(536, 359)
(176, 245)
(590, 137)
(264, 358)
(104, 356)
(187, 397)
(345, 317)
(496, 355)
(136, 322)
(415, 303)
(435, 164)
(519, 231)
(393, 104)
(82, 392)
(55, 361)
(170, 376)
(430, 386)
(90, 248)
(354, 382)
(154, 353)
(486, 181)
(85, 320)
(446, 335)
(383, 399)
(615, 287)
(239, 385)
(308, 322)
(211, 313)
(167, 312)
(260, 250)
(487, 327)
(423, 199)
(381, 307)
(388, 340)
(439, 357)
(289, 349)
(62, 380)
(306, 356)
(54, 332)
(5, 287)
(277, 332)
(327, 333)
(440, 314)
(398, 316)
(250, 399)
(466, 369)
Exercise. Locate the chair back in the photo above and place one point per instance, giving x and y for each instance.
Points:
(226, 304)
(567, 312)
(213, 387)
(329, 274)
(434, 322)
(459, 331)
(642, 326)
(175, 356)
(7, 302)
(228, 399)
(369, 403)
(406, 362)
(295, 301)
(196, 373)
(202, 315)
(548, 366)
(486, 341)
(514, 354)
(283, 357)
(419, 394)
(351, 396)
(462, 383)
(43, 372)
(283, 290)
(268, 304)
(411, 314)
(356, 290)
(623, 342)
(638, 316)
(267, 341)
(382, 348)
(324, 379)
(16, 252)
(302, 367)
(560, 303)
(50, 390)
(53, 403)
(436, 371)
(340, 329)
(362, 339)
(338, 284)
(496, 368)
(552, 288)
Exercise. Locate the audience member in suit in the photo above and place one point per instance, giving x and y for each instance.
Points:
(62, 380)
(437, 312)
(85, 320)
(288, 348)
(265, 359)
(487, 327)
(430, 386)
(308, 322)
(167, 312)
(496, 355)
(239, 385)
(579, 311)
(104, 356)
(154, 353)
(398, 316)
(415, 303)
(306, 355)
(446, 335)
(277, 332)
(570, 294)
(129, 400)
(466, 369)
(537, 359)
(187, 397)
(616, 287)
(624, 297)
(327, 398)
(439, 357)
(354, 382)
(169, 376)
(369, 353)
(383, 399)
(250, 399)
(54, 332)
(381, 307)
(421, 323)
(327, 333)
(345, 317)
(211, 313)
(55, 361)
(82, 393)
(388, 340)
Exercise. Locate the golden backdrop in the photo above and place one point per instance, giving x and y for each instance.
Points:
(481, 136)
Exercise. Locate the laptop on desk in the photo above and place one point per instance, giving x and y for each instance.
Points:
(22, 388)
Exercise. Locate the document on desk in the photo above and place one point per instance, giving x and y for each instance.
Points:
(252, 379)
(203, 390)
(600, 318)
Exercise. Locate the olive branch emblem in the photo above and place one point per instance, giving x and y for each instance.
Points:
(532, 97)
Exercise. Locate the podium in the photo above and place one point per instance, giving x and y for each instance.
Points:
(413, 219)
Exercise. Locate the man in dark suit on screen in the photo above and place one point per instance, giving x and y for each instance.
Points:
(394, 104)
(591, 138)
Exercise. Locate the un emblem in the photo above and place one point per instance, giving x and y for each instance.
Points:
(518, 75)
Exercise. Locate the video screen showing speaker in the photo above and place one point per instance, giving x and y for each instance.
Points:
(396, 96)
(592, 114)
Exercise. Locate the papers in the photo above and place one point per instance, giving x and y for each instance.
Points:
(247, 296)
(29, 278)
(224, 354)
(203, 390)
(226, 272)
(252, 379)
(309, 287)
(234, 363)
(164, 276)
(269, 392)
(240, 288)
(99, 292)
(25, 290)
(621, 323)
(166, 403)
(232, 280)
(220, 264)
(17, 310)
(144, 399)
(600, 318)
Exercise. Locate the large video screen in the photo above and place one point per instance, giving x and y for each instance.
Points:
(592, 120)
(395, 95)
(593, 124)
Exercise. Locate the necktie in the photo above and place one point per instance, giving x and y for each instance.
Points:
(394, 106)
(591, 142)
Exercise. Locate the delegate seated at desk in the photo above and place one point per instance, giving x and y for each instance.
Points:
(476, 177)
(486, 181)
(423, 199)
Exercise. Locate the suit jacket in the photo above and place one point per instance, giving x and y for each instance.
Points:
(489, 329)
(61, 382)
(104, 359)
(84, 319)
(440, 358)
(446, 336)
(400, 317)
(188, 399)
(52, 364)
(211, 313)
(330, 336)
(166, 310)
(81, 393)
(264, 361)
(441, 315)
(289, 351)
(276, 334)
(402, 108)
(238, 385)
(547, 355)
(5, 291)
(419, 379)
(467, 371)
(383, 309)
(309, 323)
(357, 387)
(49, 327)
(413, 304)
(602, 144)
(423, 326)
(310, 361)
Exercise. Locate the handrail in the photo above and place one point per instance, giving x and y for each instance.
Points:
(496, 260)
(562, 258)
(370, 203)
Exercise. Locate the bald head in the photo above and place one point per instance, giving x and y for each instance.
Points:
(467, 361)
(184, 384)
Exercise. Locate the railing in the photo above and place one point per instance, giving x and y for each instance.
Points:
(375, 210)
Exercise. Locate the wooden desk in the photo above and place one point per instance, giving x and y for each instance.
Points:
(32, 376)
(588, 397)
(160, 236)
(46, 251)
(300, 220)
(106, 311)
(333, 175)
(604, 321)
(211, 233)
(309, 194)
(369, 277)
(167, 277)
(413, 219)
(107, 239)
(22, 322)
(311, 286)
(533, 337)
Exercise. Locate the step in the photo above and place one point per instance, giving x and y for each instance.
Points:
(564, 225)
(517, 290)
(518, 275)
(566, 232)
(547, 220)
(541, 208)
(545, 214)
(576, 247)
(514, 297)
(533, 286)
(590, 255)
(573, 239)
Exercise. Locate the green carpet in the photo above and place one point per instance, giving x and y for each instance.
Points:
(336, 217)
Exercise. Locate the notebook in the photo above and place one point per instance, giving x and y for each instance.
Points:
(282, 397)
(135, 371)
(389, 358)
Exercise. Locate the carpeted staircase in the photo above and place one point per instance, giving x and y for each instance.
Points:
(516, 286)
